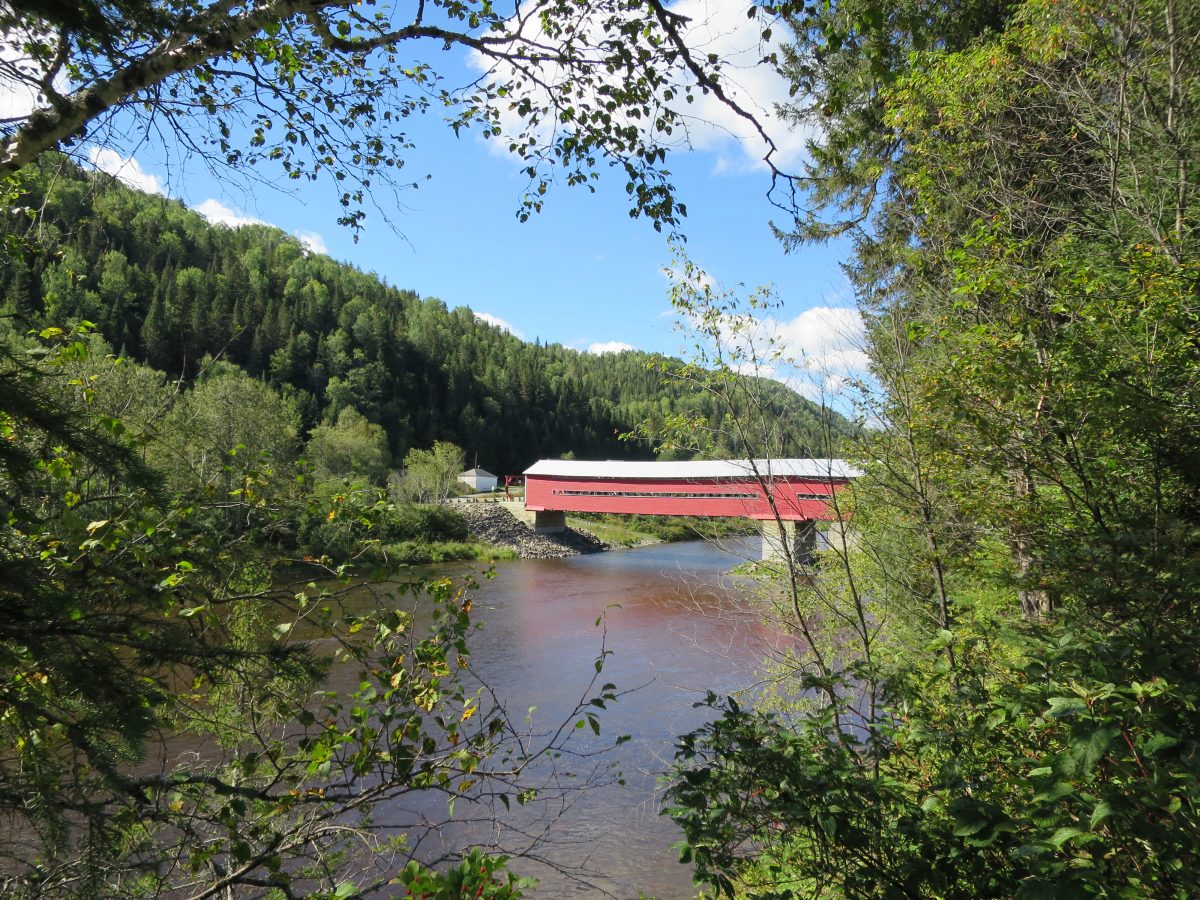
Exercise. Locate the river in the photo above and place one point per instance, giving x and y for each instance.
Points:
(677, 626)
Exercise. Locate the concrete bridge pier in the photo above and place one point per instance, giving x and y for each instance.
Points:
(549, 521)
(800, 536)
(842, 538)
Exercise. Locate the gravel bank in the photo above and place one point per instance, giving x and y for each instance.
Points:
(493, 523)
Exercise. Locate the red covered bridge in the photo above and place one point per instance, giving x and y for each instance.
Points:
(769, 490)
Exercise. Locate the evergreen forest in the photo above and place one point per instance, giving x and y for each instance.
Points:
(168, 289)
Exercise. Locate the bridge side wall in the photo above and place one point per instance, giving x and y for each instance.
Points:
(795, 499)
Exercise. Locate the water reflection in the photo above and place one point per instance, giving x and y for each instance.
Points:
(676, 627)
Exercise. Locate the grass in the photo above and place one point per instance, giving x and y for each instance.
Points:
(610, 531)
(625, 530)
(445, 551)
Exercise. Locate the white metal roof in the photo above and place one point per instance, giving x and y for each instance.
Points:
(715, 468)
(476, 473)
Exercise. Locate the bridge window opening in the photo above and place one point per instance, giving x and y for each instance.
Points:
(680, 495)
(686, 495)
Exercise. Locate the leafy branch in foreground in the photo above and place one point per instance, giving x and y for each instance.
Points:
(1053, 773)
(328, 88)
(176, 718)
(1026, 546)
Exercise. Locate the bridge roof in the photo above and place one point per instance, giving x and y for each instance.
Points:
(815, 469)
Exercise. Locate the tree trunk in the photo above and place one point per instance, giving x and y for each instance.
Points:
(1036, 604)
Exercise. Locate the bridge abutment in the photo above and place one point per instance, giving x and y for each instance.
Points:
(549, 521)
(780, 536)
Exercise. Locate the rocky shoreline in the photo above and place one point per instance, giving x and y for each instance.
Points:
(494, 524)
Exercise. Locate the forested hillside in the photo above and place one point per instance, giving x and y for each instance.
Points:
(167, 288)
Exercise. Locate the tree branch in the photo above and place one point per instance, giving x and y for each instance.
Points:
(207, 37)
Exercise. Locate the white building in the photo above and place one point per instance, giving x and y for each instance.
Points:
(478, 479)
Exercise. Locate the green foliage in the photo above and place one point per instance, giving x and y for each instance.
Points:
(135, 613)
(325, 92)
(431, 551)
(477, 876)
(995, 691)
(844, 59)
(1057, 773)
(351, 447)
(239, 431)
(345, 521)
(429, 475)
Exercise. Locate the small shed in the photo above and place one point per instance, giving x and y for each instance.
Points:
(478, 479)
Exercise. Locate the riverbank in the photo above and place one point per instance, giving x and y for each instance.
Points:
(497, 526)
(633, 530)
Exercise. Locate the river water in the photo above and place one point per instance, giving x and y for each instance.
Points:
(677, 626)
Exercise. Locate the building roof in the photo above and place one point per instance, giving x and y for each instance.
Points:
(476, 473)
(817, 469)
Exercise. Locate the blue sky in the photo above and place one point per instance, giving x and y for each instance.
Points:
(578, 273)
(581, 272)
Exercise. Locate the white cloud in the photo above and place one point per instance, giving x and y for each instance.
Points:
(220, 214)
(601, 347)
(312, 241)
(824, 331)
(824, 348)
(715, 27)
(499, 323)
(819, 353)
(722, 28)
(125, 169)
